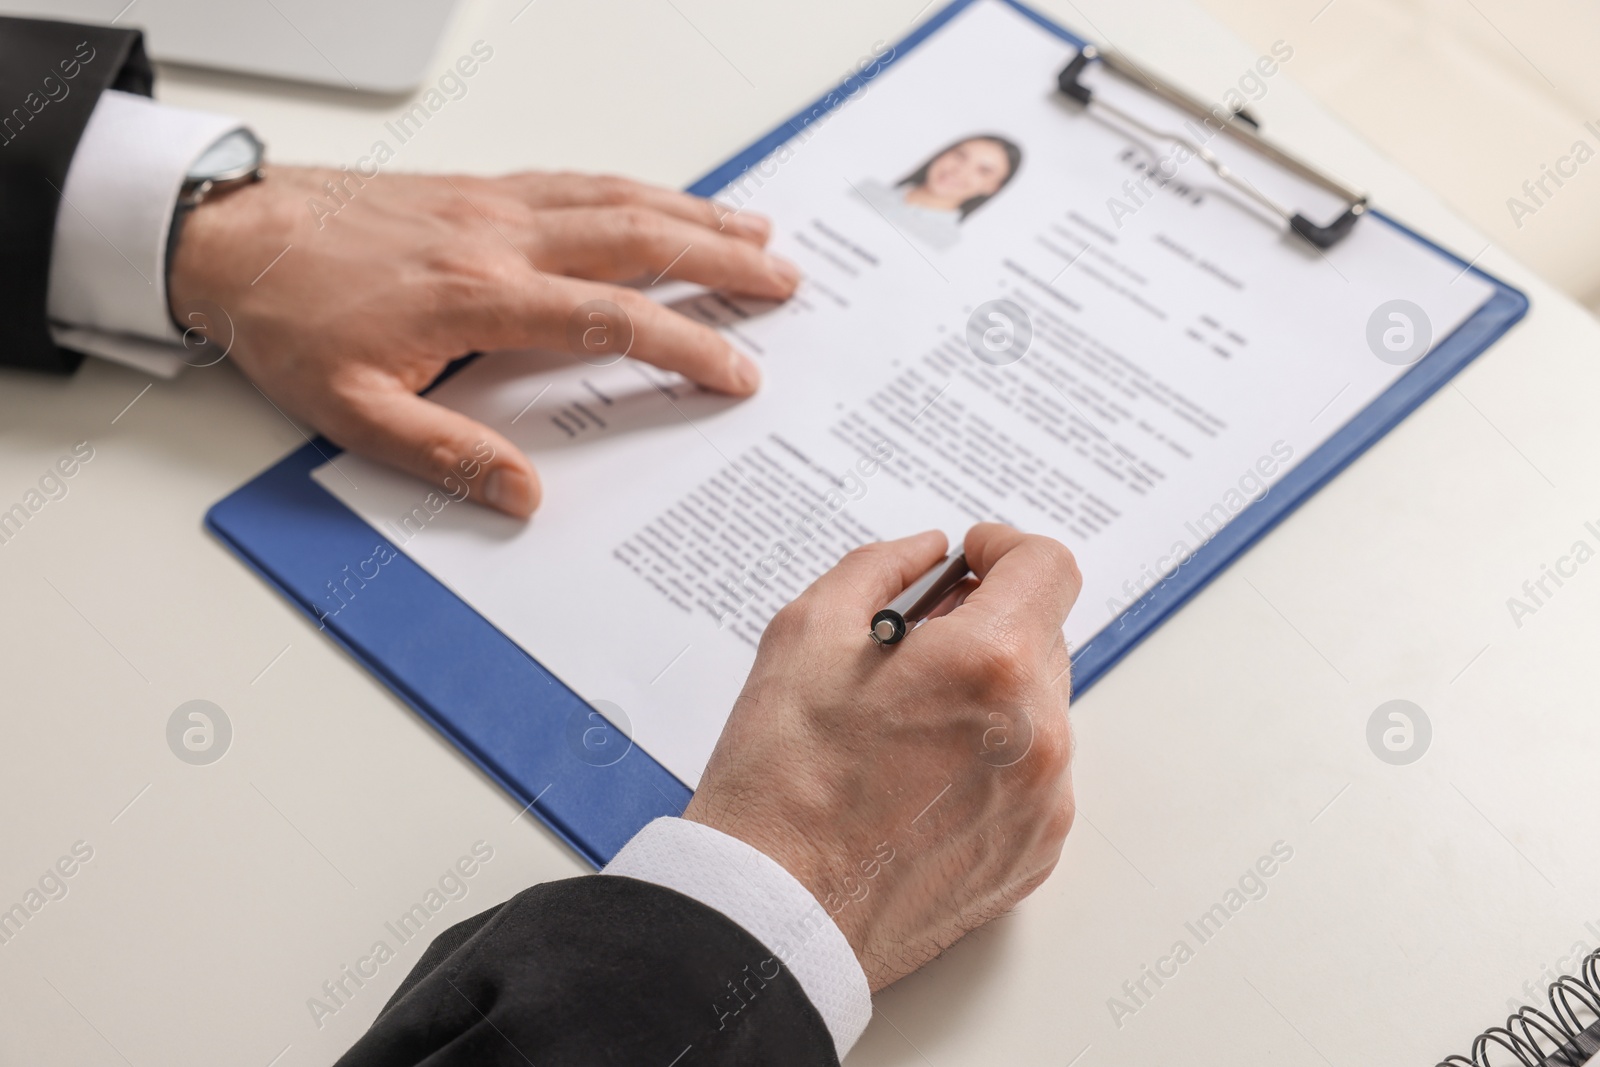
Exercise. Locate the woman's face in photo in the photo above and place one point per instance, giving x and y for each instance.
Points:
(972, 168)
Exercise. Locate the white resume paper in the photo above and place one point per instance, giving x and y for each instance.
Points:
(1013, 309)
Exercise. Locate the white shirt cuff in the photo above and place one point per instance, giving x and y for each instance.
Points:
(108, 267)
(755, 891)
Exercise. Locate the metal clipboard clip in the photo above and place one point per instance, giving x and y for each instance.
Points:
(1239, 125)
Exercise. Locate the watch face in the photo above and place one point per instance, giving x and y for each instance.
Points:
(235, 155)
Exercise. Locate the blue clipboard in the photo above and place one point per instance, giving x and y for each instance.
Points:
(524, 728)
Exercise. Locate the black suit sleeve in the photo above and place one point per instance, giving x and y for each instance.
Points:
(598, 970)
(51, 76)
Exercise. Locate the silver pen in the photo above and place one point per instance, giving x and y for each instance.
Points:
(923, 595)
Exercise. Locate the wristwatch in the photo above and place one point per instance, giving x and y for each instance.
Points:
(233, 161)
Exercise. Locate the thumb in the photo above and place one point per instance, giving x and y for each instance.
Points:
(442, 447)
(870, 576)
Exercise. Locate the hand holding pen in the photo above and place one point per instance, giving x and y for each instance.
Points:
(937, 770)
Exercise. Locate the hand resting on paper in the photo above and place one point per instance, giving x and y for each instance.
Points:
(340, 317)
(921, 790)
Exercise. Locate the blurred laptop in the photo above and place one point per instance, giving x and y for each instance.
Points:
(380, 46)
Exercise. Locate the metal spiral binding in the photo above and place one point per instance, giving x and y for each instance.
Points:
(1567, 1035)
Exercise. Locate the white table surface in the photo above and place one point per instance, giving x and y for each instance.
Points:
(220, 897)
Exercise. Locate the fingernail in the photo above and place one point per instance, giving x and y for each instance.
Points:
(508, 491)
(784, 271)
(749, 224)
(744, 371)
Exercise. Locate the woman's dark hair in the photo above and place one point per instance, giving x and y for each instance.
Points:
(972, 203)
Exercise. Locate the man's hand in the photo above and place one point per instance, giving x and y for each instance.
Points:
(921, 789)
(367, 306)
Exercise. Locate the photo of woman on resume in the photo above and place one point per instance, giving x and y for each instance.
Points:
(932, 202)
